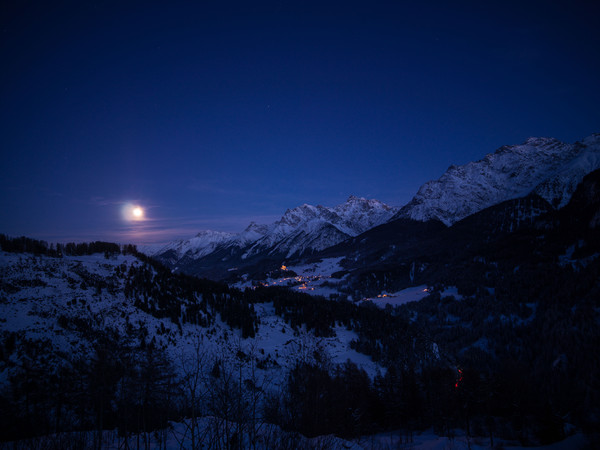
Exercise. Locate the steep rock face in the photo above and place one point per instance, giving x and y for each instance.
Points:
(312, 235)
(544, 166)
(558, 189)
(524, 180)
(583, 211)
(200, 245)
(310, 228)
(360, 215)
(252, 232)
(301, 230)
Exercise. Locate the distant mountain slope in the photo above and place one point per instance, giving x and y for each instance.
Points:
(300, 231)
(403, 252)
(523, 180)
(207, 242)
(202, 244)
(309, 228)
(544, 166)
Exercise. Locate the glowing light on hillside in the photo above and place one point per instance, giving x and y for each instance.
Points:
(460, 377)
(283, 267)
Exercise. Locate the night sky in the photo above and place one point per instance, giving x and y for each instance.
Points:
(210, 115)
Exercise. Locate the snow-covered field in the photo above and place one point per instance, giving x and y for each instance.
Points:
(411, 294)
(316, 279)
(313, 278)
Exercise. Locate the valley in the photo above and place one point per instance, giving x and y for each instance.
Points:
(331, 327)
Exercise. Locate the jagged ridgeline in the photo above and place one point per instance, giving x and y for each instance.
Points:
(542, 172)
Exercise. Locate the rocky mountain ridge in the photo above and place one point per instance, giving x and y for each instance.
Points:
(546, 171)
(301, 230)
(544, 166)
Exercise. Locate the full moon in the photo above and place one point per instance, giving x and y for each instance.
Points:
(132, 213)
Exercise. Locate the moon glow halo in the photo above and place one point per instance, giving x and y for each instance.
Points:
(133, 213)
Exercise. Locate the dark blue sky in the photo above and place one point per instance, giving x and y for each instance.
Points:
(210, 115)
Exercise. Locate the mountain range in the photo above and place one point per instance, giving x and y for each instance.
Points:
(544, 166)
(542, 172)
(505, 324)
(303, 230)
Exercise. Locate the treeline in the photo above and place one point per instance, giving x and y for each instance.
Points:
(123, 383)
(154, 288)
(390, 339)
(187, 299)
(345, 401)
(129, 384)
(524, 336)
(38, 247)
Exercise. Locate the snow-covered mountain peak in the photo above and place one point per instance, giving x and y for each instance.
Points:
(309, 228)
(213, 235)
(591, 140)
(546, 166)
(359, 214)
(354, 200)
(296, 216)
(254, 227)
(305, 228)
(252, 232)
(536, 141)
(201, 244)
(354, 204)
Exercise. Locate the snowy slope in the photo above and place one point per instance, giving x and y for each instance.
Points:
(559, 188)
(300, 229)
(57, 315)
(545, 166)
(47, 299)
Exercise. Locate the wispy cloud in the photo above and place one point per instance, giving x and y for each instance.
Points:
(101, 201)
(160, 230)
